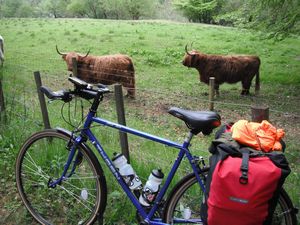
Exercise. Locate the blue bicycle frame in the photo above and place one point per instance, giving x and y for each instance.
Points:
(183, 151)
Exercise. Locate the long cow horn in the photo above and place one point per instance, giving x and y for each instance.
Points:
(187, 50)
(59, 51)
(87, 53)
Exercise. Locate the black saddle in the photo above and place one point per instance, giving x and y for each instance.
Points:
(197, 121)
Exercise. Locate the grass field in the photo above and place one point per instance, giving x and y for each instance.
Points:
(157, 49)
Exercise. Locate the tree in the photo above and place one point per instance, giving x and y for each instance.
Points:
(280, 17)
(139, 8)
(115, 9)
(10, 8)
(199, 10)
(56, 8)
(95, 9)
(77, 8)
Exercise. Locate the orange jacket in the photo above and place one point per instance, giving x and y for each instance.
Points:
(260, 136)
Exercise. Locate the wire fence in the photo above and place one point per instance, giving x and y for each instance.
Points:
(150, 99)
(172, 95)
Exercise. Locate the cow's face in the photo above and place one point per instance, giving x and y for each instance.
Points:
(68, 58)
(190, 59)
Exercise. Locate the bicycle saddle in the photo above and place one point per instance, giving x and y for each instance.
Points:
(197, 121)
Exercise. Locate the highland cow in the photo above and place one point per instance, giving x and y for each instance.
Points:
(229, 69)
(107, 70)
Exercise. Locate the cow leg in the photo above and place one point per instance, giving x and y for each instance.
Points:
(217, 93)
(245, 92)
(130, 87)
(245, 87)
(131, 92)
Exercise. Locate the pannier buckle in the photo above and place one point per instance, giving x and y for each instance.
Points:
(244, 177)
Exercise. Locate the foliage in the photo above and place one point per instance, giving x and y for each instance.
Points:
(234, 13)
(139, 8)
(55, 7)
(277, 18)
(77, 8)
(280, 17)
(199, 11)
(106, 9)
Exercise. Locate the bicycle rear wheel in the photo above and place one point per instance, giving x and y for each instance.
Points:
(285, 213)
(184, 203)
(78, 199)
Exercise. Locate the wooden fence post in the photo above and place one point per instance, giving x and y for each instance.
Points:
(259, 113)
(211, 93)
(121, 120)
(74, 66)
(2, 104)
(43, 105)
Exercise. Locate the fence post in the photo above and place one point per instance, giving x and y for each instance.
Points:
(74, 66)
(43, 105)
(121, 120)
(2, 104)
(259, 113)
(211, 93)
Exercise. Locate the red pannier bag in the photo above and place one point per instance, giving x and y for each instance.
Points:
(243, 185)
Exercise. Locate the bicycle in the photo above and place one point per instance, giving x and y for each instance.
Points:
(60, 180)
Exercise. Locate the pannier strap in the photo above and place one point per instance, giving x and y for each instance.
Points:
(244, 166)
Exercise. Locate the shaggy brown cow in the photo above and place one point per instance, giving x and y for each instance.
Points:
(108, 69)
(229, 69)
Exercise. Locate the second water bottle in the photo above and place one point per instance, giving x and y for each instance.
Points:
(151, 187)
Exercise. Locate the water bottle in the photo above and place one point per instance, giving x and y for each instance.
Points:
(186, 213)
(127, 172)
(151, 187)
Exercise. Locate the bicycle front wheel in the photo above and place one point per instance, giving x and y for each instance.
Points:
(78, 199)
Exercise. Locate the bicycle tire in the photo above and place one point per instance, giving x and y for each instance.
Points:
(187, 192)
(285, 213)
(79, 199)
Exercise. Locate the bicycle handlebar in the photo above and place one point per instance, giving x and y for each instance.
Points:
(82, 89)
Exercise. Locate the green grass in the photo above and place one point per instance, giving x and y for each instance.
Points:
(157, 49)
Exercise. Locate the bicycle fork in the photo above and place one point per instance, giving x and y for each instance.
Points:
(72, 147)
